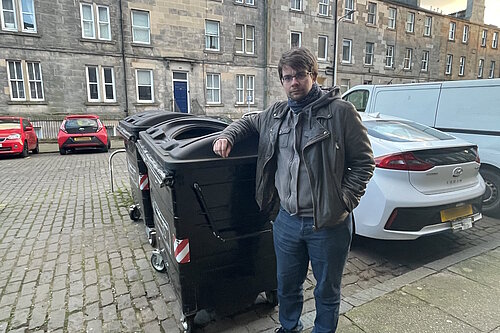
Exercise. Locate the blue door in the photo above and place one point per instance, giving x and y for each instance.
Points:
(180, 96)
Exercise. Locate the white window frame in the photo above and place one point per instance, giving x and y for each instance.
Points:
(410, 22)
(325, 47)
(480, 68)
(461, 68)
(136, 27)
(96, 83)
(250, 2)
(424, 67)
(407, 59)
(494, 42)
(35, 81)
(492, 70)
(101, 22)
(371, 15)
(17, 81)
(245, 41)
(393, 13)
(13, 11)
(22, 13)
(210, 88)
(294, 7)
(389, 56)
(104, 84)
(349, 41)
(451, 32)
(89, 21)
(465, 34)
(484, 37)
(323, 9)
(449, 64)
(151, 78)
(345, 84)
(428, 26)
(240, 89)
(300, 38)
(369, 51)
(211, 38)
(250, 91)
(349, 6)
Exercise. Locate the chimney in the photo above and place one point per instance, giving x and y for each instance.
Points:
(475, 11)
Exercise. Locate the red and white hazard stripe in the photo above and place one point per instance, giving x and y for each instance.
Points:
(181, 250)
(144, 182)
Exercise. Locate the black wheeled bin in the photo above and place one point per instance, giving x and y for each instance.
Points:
(129, 129)
(213, 240)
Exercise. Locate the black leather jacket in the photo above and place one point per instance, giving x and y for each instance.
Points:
(338, 156)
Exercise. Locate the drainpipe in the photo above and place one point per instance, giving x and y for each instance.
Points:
(268, 38)
(123, 60)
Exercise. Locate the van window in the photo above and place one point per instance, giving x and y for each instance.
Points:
(403, 131)
(358, 98)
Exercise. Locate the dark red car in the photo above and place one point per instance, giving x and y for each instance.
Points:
(17, 136)
(82, 131)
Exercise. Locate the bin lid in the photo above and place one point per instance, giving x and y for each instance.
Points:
(130, 127)
(189, 141)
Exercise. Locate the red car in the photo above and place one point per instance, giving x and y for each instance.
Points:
(17, 136)
(82, 131)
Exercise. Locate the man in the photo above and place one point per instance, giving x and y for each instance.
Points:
(314, 155)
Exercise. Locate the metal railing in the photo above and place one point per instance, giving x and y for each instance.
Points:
(48, 129)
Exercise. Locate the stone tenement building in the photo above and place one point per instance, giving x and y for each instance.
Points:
(118, 57)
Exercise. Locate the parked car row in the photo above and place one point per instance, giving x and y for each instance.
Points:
(18, 137)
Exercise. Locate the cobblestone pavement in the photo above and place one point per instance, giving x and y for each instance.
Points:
(72, 261)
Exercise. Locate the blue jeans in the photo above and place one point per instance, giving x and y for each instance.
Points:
(295, 243)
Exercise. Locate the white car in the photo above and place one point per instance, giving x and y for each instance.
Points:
(425, 182)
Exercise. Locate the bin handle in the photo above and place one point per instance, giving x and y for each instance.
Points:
(201, 200)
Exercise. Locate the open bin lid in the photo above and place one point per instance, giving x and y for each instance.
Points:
(188, 141)
(130, 127)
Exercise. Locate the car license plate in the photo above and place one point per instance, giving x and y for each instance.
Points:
(82, 138)
(456, 212)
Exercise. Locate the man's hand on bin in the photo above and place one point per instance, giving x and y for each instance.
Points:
(222, 147)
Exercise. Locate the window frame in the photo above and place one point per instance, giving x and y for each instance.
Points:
(491, 75)
(97, 84)
(494, 41)
(410, 22)
(19, 81)
(244, 40)
(461, 68)
(213, 89)
(99, 22)
(35, 81)
(350, 51)
(240, 90)
(347, 9)
(465, 34)
(344, 87)
(325, 47)
(250, 89)
(484, 37)
(21, 15)
(300, 38)
(480, 69)
(369, 55)
(407, 58)
(325, 4)
(425, 61)
(449, 64)
(135, 27)
(295, 2)
(428, 26)
(452, 31)
(209, 38)
(83, 20)
(370, 14)
(392, 18)
(104, 84)
(389, 55)
(151, 77)
(14, 13)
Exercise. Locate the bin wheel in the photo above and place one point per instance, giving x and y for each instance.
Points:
(134, 213)
(187, 324)
(152, 238)
(272, 297)
(157, 262)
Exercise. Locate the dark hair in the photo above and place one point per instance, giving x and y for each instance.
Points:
(299, 59)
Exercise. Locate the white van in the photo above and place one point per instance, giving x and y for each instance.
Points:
(468, 109)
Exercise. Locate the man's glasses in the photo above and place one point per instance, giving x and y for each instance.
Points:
(299, 76)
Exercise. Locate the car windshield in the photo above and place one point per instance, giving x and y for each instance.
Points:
(81, 122)
(403, 131)
(7, 124)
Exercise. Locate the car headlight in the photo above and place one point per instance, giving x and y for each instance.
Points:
(14, 137)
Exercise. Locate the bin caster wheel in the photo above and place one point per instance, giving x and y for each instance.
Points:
(157, 262)
(272, 297)
(187, 324)
(134, 212)
(152, 238)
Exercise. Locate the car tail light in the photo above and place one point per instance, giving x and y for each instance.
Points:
(99, 125)
(476, 152)
(63, 126)
(403, 161)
